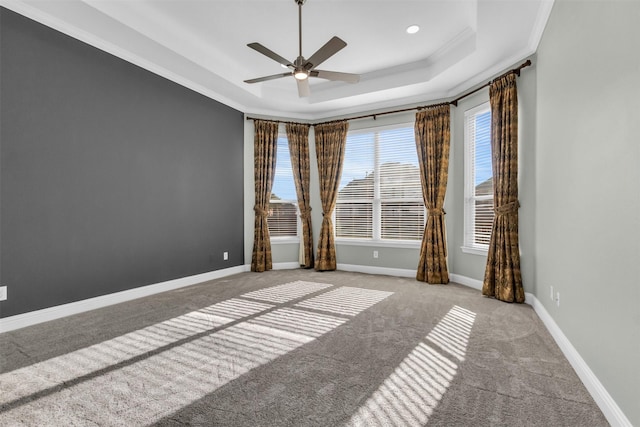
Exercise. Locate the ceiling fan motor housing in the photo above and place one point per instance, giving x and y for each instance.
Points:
(300, 72)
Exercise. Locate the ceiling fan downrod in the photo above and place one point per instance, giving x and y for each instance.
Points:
(300, 72)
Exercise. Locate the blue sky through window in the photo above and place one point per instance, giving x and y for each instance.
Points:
(358, 158)
(359, 153)
(283, 185)
(483, 148)
(388, 151)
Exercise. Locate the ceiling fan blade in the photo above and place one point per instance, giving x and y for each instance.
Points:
(265, 78)
(334, 75)
(325, 52)
(271, 54)
(303, 88)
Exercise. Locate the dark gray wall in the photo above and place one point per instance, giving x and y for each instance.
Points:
(111, 177)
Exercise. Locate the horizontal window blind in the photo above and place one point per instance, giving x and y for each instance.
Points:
(354, 220)
(357, 181)
(403, 220)
(380, 194)
(354, 205)
(402, 207)
(283, 211)
(483, 221)
(282, 219)
(478, 208)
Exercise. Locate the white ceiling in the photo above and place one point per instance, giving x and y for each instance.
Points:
(201, 44)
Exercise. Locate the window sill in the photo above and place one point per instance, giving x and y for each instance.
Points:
(475, 251)
(284, 240)
(406, 244)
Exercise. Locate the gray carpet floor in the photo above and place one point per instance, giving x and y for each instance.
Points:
(294, 348)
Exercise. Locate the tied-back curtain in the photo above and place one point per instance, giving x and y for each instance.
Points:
(432, 129)
(265, 144)
(331, 139)
(502, 277)
(298, 136)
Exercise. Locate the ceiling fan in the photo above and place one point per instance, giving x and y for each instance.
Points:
(303, 68)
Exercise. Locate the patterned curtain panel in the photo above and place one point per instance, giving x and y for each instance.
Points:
(432, 129)
(502, 278)
(265, 144)
(298, 136)
(331, 139)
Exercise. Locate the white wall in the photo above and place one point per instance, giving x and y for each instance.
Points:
(588, 187)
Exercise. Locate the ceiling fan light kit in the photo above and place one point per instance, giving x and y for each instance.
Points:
(301, 74)
(303, 68)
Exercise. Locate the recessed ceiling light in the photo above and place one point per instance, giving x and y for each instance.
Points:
(412, 29)
(283, 66)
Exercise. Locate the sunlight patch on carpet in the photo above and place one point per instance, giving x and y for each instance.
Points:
(345, 300)
(287, 292)
(86, 361)
(124, 381)
(298, 321)
(410, 394)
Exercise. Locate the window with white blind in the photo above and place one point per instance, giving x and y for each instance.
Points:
(478, 178)
(380, 195)
(283, 206)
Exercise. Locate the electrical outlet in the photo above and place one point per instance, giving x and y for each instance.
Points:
(375, 254)
(3, 293)
(225, 256)
(551, 295)
(558, 299)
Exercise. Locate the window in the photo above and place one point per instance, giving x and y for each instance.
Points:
(380, 195)
(478, 207)
(283, 206)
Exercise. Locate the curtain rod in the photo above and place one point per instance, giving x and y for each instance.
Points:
(515, 71)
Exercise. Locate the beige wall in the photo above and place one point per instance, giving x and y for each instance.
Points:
(588, 187)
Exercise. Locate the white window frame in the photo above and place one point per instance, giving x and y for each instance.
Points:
(376, 240)
(469, 241)
(288, 239)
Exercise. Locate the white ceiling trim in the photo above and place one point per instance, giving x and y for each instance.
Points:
(540, 24)
(171, 40)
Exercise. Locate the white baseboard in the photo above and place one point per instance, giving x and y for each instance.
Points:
(34, 317)
(467, 281)
(385, 271)
(477, 284)
(603, 399)
(286, 265)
